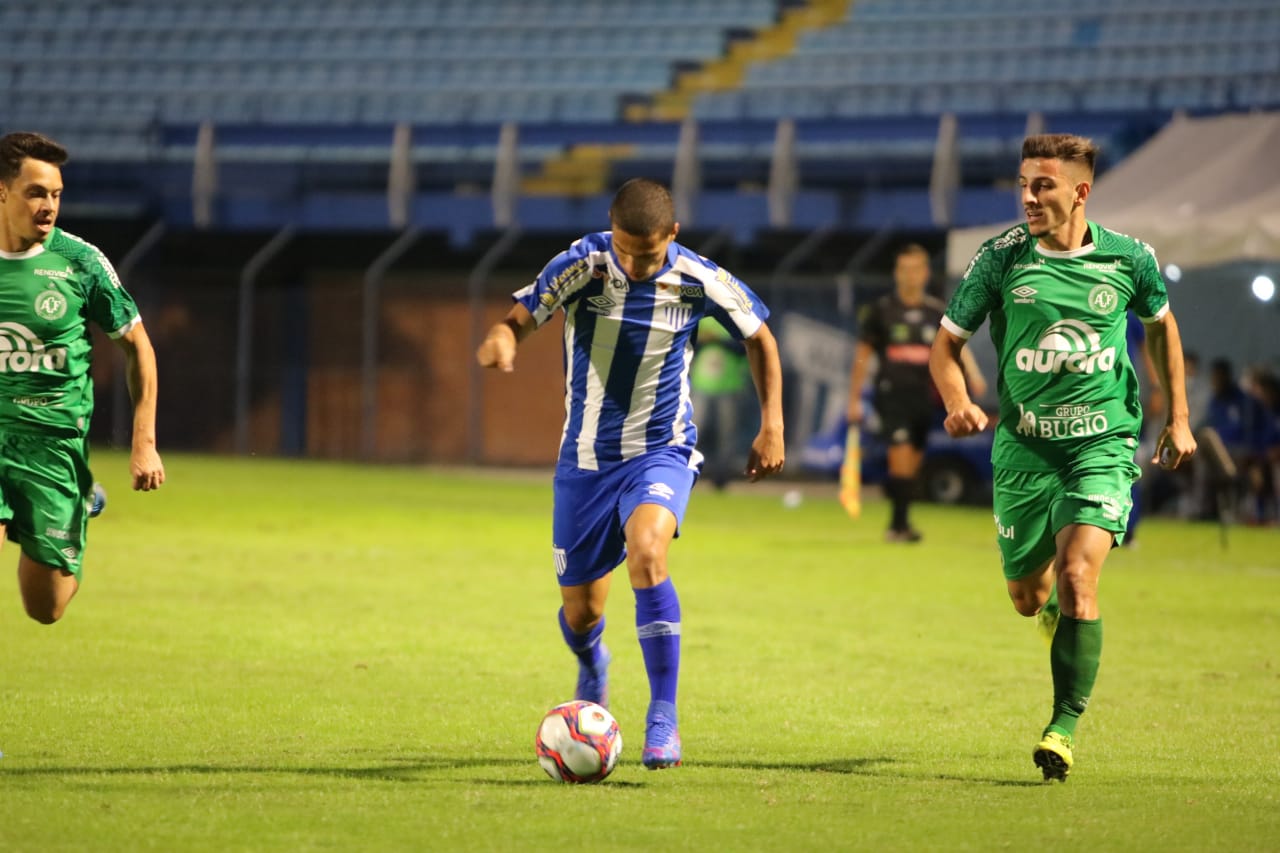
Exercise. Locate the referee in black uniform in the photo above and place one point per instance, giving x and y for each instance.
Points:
(898, 330)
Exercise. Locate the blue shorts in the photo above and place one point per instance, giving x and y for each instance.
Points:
(592, 508)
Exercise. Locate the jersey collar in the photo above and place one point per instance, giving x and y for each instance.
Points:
(35, 250)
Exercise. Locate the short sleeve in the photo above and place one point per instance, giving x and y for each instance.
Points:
(108, 304)
(977, 295)
(735, 305)
(566, 274)
(1150, 298)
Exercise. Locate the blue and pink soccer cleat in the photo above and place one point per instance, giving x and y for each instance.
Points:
(661, 737)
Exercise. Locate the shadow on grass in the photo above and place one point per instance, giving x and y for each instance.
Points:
(881, 766)
(415, 769)
(397, 770)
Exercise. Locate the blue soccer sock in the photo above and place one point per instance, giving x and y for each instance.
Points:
(587, 647)
(658, 627)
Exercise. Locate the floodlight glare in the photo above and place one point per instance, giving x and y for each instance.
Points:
(1264, 288)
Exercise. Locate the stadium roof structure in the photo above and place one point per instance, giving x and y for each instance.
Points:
(1202, 192)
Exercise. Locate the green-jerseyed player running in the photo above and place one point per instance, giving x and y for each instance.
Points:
(1056, 291)
(52, 286)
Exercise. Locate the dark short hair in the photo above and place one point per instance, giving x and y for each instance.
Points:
(16, 147)
(1066, 147)
(643, 207)
(912, 249)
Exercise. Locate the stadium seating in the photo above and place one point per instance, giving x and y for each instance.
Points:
(125, 82)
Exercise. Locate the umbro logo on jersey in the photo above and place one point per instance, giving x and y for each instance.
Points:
(21, 351)
(1024, 294)
(661, 490)
(600, 304)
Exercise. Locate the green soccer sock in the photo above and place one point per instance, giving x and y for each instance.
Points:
(1073, 657)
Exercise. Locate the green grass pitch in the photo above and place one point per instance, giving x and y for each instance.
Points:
(271, 655)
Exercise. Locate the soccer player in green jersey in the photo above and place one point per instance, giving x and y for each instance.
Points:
(52, 285)
(1056, 290)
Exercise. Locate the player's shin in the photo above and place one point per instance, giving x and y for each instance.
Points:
(1073, 658)
(658, 628)
(593, 661)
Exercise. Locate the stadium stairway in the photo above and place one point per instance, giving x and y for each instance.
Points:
(584, 169)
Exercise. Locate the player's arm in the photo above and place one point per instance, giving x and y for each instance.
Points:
(863, 355)
(973, 374)
(964, 417)
(499, 346)
(1164, 344)
(145, 466)
(768, 450)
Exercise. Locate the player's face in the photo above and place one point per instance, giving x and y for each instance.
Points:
(911, 275)
(641, 258)
(1052, 193)
(31, 202)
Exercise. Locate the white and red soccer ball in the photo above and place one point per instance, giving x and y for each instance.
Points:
(578, 742)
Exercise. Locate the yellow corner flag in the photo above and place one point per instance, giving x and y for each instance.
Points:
(851, 472)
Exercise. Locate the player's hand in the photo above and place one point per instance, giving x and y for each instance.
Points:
(498, 349)
(767, 455)
(855, 412)
(145, 468)
(1175, 445)
(965, 420)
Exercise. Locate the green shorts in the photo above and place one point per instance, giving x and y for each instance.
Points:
(1030, 507)
(45, 495)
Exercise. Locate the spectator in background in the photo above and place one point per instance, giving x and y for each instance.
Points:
(719, 380)
(898, 331)
(1241, 423)
(1263, 457)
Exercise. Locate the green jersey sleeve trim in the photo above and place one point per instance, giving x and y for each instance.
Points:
(1147, 321)
(950, 326)
(126, 328)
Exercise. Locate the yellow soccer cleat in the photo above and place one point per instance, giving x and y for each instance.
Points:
(1053, 756)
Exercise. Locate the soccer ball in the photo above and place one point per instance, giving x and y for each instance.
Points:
(578, 742)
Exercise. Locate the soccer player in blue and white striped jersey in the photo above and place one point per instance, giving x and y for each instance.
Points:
(632, 298)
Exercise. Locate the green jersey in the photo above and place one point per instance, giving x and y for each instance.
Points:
(48, 295)
(1067, 387)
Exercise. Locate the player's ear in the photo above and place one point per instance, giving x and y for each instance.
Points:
(675, 229)
(1082, 191)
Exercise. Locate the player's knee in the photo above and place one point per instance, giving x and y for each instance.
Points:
(1026, 603)
(44, 613)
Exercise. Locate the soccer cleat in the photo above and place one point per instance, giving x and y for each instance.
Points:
(99, 502)
(1047, 621)
(594, 686)
(909, 535)
(661, 738)
(1053, 756)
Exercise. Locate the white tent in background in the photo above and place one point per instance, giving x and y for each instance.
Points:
(1202, 191)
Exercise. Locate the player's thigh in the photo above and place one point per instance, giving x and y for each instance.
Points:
(653, 504)
(1097, 492)
(46, 590)
(587, 538)
(662, 478)
(1022, 506)
(45, 485)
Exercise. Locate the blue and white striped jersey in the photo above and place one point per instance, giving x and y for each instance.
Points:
(628, 346)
